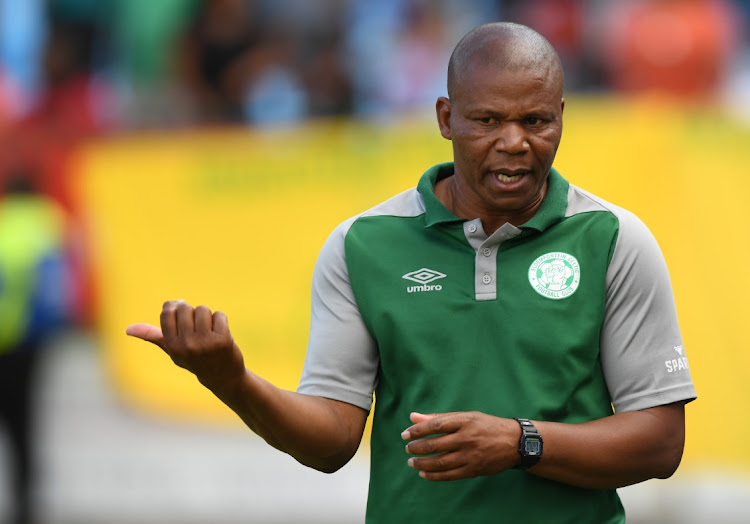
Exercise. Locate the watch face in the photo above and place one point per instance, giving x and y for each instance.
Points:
(533, 446)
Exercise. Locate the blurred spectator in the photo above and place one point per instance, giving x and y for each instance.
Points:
(418, 77)
(565, 23)
(681, 47)
(145, 36)
(23, 29)
(269, 82)
(263, 62)
(184, 62)
(398, 49)
(64, 115)
(327, 81)
(222, 51)
(313, 33)
(145, 39)
(11, 99)
(34, 304)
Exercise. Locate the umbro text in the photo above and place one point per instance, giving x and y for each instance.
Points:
(424, 287)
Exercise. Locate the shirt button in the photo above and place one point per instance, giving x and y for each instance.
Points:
(486, 279)
(472, 228)
(486, 251)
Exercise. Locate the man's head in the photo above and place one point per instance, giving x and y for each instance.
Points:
(504, 117)
(520, 48)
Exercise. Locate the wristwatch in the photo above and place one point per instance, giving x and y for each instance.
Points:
(529, 445)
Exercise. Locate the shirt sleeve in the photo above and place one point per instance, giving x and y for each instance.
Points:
(642, 354)
(342, 357)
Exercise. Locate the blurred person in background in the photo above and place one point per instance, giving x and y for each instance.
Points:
(219, 51)
(681, 48)
(326, 79)
(418, 66)
(397, 50)
(315, 33)
(145, 37)
(23, 27)
(35, 299)
(737, 90)
(69, 109)
(259, 62)
(567, 25)
(535, 299)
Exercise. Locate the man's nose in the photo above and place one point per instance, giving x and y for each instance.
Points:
(510, 137)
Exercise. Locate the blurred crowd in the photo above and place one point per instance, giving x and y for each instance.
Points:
(71, 70)
(114, 64)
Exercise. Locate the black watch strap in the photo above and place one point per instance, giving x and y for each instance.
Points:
(529, 444)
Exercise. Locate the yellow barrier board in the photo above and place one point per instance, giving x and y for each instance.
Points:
(234, 219)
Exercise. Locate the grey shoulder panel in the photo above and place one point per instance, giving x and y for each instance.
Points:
(342, 357)
(580, 201)
(408, 203)
(642, 352)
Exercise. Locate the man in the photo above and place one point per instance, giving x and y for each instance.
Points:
(35, 299)
(482, 339)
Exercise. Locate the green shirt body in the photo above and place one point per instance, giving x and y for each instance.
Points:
(551, 321)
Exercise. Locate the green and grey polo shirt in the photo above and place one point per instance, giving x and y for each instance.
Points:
(559, 319)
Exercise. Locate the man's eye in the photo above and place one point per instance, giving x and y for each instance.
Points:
(534, 121)
(487, 120)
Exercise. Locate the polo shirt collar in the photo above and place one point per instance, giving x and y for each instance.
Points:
(552, 209)
(554, 205)
(435, 211)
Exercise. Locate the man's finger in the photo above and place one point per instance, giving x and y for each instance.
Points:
(203, 320)
(168, 318)
(146, 332)
(185, 319)
(434, 444)
(416, 418)
(426, 425)
(437, 463)
(221, 323)
(464, 472)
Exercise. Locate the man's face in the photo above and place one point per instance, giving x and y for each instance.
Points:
(505, 127)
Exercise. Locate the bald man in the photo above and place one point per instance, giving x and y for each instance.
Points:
(514, 328)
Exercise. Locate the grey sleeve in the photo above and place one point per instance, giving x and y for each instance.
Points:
(342, 357)
(642, 353)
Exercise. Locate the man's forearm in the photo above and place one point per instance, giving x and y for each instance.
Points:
(320, 433)
(616, 451)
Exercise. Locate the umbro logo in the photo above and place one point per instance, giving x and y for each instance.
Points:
(424, 276)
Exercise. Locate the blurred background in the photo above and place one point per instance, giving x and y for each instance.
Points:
(204, 149)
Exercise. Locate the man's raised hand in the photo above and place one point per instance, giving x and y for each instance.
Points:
(198, 340)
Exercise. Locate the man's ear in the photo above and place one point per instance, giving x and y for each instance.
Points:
(443, 111)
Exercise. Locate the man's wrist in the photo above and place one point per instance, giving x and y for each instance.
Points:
(227, 388)
(530, 444)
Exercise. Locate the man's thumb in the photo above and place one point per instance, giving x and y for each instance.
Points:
(146, 332)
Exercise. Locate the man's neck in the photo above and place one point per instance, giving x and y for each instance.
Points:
(450, 195)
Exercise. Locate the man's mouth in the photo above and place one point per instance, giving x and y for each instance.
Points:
(510, 176)
(507, 178)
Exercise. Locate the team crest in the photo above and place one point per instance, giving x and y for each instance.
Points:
(555, 275)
